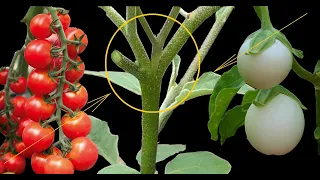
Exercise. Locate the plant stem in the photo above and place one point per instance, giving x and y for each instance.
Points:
(63, 40)
(145, 25)
(150, 90)
(305, 74)
(133, 39)
(188, 76)
(265, 18)
(7, 102)
(317, 92)
(167, 26)
(184, 13)
(132, 26)
(315, 80)
(206, 45)
(197, 17)
(125, 63)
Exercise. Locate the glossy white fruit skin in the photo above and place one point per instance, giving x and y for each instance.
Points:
(267, 69)
(276, 128)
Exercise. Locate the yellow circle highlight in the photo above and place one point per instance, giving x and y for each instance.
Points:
(198, 53)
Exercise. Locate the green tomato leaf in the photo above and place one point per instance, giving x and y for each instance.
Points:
(224, 91)
(281, 37)
(106, 142)
(261, 41)
(265, 96)
(249, 97)
(175, 70)
(205, 86)
(118, 169)
(232, 120)
(164, 151)
(317, 68)
(201, 162)
(123, 79)
(317, 133)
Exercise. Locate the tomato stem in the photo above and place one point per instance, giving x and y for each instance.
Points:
(193, 67)
(145, 25)
(54, 118)
(134, 41)
(263, 13)
(167, 26)
(7, 99)
(150, 89)
(315, 80)
(181, 36)
(317, 93)
(151, 72)
(65, 60)
(125, 63)
(305, 74)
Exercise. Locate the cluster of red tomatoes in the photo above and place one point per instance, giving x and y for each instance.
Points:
(27, 133)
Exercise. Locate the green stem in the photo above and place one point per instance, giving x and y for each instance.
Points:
(7, 102)
(145, 25)
(125, 63)
(166, 28)
(265, 18)
(317, 92)
(315, 80)
(305, 74)
(134, 41)
(63, 40)
(131, 27)
(197, 17)
(206, 45)
(150, 121)
(188, 76)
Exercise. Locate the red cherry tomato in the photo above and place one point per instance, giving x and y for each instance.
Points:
(14, 163)
(38, 160)
(71, 33)
(77, 126)
(18, 106)
(58, 165)
(54, 40)
(2, 94)
(20, 86)
(75, 100)
(75, 73)
(24, 150)
(84, 153)
(38, 53)
(56, 64)
(13, 118)
(4, 146)
(64, 19)
(40, 83)
(44, 136)
(2, 167)
(4, 75)
(23, 123)
(40, 26)
(37, 109)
